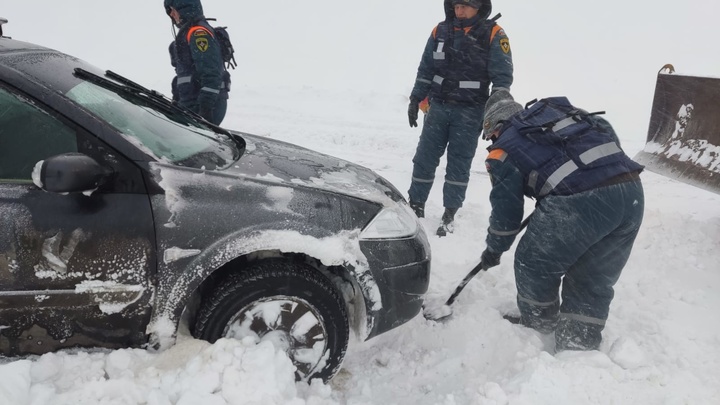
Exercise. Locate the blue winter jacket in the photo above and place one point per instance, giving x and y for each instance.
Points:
(463, 58)
(200, 73)
(519, 167)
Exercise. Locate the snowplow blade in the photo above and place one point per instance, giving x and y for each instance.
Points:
(683, 139)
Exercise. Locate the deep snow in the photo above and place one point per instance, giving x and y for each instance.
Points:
(662, 337)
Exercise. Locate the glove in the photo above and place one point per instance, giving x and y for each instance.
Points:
(413, 109)
(490, 259)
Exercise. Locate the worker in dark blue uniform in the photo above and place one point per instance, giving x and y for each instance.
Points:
(464, 56)
(201, 83)
(589, 209)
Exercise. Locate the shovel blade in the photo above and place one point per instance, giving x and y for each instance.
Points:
(437, 313)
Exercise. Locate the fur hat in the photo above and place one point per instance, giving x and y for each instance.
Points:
(500, 107)
(472, 3)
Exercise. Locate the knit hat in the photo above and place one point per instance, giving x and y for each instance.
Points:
(472, 3)
(500, 107)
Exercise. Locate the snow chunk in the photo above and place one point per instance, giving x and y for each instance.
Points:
(174, 254)
(36, 174)
(627, 354)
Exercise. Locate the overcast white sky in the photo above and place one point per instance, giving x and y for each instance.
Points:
(604, 55)
(334, 76)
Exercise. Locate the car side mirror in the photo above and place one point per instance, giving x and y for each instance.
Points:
(70, 173)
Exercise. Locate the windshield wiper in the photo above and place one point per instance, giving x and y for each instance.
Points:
(155, 98)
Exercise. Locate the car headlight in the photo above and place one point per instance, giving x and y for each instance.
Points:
(397, 221)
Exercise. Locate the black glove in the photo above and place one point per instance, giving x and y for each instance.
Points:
(413, 109)
(490, 259)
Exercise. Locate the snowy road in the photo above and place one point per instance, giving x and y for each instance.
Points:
(661, 341)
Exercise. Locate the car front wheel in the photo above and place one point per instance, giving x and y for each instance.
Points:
(290, 304)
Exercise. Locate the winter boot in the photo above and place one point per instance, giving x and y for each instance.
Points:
(513, 319)
(418, 208)
(448, 219)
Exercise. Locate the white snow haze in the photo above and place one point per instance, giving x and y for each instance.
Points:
(335, 77)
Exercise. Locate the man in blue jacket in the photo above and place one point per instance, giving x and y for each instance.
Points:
(589, 209)
(465, 54)
(201, 83)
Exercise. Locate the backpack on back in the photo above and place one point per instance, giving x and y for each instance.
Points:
(553, 120)
(222, 37)
(226, 47)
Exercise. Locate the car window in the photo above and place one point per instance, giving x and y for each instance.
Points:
(154, 132)
(28, 135)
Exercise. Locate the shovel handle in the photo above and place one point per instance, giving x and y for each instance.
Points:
(480, 267)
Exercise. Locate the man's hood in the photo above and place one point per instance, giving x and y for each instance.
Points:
(190, 10)
(484, 10)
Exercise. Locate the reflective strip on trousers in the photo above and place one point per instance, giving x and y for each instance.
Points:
(424, 81)
(456, 183)
(469, 85)
(438, 79)
(582, 318)
(184, 79)
(417, 180)
(537, 303)
(209, 90)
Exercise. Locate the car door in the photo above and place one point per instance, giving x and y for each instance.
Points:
(75, 269)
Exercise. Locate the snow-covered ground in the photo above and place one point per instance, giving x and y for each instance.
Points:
(661, 343)
(662, 340)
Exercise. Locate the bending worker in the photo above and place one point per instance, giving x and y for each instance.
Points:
(589, 209)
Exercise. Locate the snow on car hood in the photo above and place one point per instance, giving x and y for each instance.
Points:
(285, 163)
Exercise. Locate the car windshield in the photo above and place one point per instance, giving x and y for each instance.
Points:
(167, 135)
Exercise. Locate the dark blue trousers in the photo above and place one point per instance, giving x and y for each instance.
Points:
(582, 242)
(455, 128)
(218, 112)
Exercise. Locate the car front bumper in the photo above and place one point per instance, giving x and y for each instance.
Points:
(401, 268)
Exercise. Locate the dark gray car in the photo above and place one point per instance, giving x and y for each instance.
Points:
(124, 218)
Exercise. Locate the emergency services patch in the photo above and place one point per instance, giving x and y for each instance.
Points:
(200, 33)
(202, 44)
(505, 45)
(502, 33)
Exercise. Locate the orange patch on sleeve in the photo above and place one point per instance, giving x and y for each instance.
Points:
(494, 32)
(196, 28)
(497, 154)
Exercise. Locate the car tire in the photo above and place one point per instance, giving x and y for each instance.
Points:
(302, 313)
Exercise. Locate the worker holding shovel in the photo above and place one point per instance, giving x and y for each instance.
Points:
(589, 209)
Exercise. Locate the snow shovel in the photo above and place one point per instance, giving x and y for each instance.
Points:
(437, 314)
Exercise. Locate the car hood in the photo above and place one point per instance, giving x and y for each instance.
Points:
(285, 163)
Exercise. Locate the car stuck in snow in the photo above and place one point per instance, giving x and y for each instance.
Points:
(124, 217)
